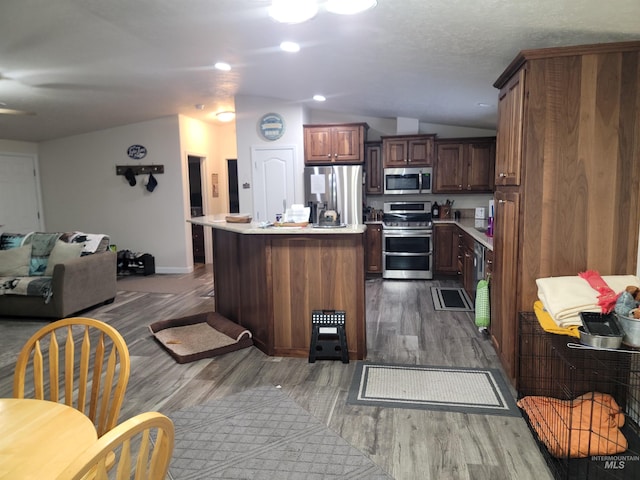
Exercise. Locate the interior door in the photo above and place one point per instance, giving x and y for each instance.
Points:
(273, 180)
(19, 194)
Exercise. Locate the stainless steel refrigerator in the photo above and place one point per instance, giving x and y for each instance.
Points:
(338, 188)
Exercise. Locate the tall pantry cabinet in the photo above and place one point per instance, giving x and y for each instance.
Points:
(567, 174)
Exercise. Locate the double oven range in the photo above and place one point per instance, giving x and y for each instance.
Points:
(407, 240)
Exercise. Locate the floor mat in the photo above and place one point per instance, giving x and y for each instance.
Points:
(451, 299)
(457, 389)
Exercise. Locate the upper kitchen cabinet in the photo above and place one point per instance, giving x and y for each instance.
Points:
(373, 168)
(334, 144)
(408, 151)
(575, 139)
(510, 122)
(464, 165)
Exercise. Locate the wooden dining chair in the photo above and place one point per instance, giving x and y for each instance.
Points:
(142, 446)
(79, 361)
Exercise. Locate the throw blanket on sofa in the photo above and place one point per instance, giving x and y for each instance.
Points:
(35, 286)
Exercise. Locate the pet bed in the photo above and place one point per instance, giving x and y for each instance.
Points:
(200, 336)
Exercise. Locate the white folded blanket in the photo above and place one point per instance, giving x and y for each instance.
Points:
(565, 297)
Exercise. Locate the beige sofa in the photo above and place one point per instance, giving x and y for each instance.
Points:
(75, 284)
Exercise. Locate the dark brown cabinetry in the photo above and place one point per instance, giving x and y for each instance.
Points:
(488, 263)
(408, 151)
(567, 176)
(373, 248)
(197, 236)
(466, 267)
(464, 165)
(334, 144)
(511, 103)
(373, 168)
(446, 248)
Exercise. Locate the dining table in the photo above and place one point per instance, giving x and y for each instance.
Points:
(39, 438)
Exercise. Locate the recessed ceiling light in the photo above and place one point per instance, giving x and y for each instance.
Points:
(349, 7)
(225, 67)
(225, 116)
(293, 11)
(291, 47)
(483, 105)
(319, 98)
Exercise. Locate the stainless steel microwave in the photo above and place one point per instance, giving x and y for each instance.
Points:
(407, 180)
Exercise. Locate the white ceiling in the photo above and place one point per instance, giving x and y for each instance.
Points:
(85, 65)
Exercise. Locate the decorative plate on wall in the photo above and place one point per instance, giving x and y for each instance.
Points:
(137, 152)
(271, 126)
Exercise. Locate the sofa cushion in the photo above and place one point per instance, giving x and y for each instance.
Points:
(42, 244)
(13, 240)
(62, 252)
(15, 261)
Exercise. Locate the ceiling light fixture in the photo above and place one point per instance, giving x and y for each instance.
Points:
(291, 47)
(293, 11)
(225, 67)
(349, 7)
(319, 98)
(225, 116)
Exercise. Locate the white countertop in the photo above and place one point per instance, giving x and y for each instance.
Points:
(254, 228)
(469, 226)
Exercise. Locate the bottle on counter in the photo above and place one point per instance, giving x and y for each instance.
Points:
(435, 210)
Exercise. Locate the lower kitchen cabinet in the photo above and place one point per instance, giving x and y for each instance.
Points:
(467, 255)
(197, 236)
(373, 248)
(446, 248)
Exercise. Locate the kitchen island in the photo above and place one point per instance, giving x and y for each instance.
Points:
(269, 280)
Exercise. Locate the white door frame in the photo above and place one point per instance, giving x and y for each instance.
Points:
(33, 158)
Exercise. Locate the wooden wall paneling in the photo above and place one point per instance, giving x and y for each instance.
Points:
(255, 297)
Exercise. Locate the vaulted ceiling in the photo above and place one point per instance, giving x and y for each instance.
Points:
(84, 65)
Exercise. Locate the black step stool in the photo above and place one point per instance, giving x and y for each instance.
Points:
(328, 336)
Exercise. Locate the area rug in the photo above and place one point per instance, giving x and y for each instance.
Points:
(262, 433)
(451, 299)
(160, 284)
(467, 390)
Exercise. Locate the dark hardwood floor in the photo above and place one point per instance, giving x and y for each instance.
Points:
(402, 327)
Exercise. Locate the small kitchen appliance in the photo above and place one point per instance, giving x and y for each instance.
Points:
(412, 180)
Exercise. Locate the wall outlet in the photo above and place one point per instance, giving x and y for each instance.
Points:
(479, 212)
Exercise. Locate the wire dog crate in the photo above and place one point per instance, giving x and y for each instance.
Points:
(582, 405)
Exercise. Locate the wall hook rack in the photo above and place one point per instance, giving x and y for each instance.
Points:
(139, 169)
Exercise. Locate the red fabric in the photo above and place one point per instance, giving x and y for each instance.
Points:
(607, 298)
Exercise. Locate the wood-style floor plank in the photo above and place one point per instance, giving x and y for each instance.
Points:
(402, 327)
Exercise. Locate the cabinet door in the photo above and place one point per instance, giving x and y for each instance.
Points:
(468, 272)
(446, 249)
(373, 168)
(373, 239)
(420, 152)
(347, 144)
(449, 167)
(510, 134)
(480, 166)
(317, 145)
(504, 279)
(395, 153)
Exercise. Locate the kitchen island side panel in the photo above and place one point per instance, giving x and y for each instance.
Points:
(317, 273)
(270, 284)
